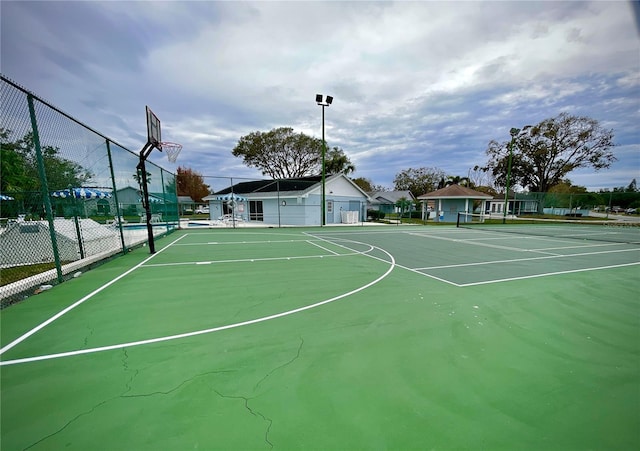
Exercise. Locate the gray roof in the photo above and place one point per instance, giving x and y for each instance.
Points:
(390, 197)
(293, 187)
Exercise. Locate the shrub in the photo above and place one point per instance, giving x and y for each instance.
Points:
(375, 215)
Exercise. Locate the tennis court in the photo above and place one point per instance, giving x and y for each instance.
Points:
(408, 337)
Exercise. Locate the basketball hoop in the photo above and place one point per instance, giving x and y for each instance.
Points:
(172, 150)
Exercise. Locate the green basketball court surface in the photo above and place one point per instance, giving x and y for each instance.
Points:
(431, 338)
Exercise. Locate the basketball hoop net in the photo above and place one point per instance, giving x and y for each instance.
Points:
(171, 149)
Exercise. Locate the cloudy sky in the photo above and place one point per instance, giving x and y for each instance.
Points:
(415, 84)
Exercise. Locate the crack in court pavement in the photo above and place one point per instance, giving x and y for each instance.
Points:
(123, 395)
(77, 417)
(86, 338)
(125, 366)
(246, 399)
(253, 412)
(177, 387)
(244, 309)
(255, 387)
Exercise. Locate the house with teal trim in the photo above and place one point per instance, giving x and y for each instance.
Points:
(451, 200)
(387, 201)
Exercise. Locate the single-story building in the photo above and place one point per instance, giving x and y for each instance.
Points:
(186, 204)
(386, 201)
(130, 202)
(451, 200)
(518, 204)
(292, 201)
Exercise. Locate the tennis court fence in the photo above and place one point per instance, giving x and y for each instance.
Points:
(70, 198)
(69, 195)
(570, 227)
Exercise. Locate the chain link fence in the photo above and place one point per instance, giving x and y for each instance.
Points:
(70, 197)
(600, 204)
(243, 202)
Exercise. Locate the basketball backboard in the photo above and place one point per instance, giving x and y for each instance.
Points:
(153, 129)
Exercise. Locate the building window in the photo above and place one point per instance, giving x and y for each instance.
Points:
(255, 210)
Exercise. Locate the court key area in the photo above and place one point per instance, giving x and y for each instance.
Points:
(362, 337)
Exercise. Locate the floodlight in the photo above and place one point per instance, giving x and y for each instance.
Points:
(321, 101)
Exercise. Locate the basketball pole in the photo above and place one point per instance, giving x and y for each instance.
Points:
(144, 153)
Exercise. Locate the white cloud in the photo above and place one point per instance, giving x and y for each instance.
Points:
(415, 83)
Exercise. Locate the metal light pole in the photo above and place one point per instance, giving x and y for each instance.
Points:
(323, 102)
(514, 132)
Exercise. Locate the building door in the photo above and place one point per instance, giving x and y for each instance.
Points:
(256, 212)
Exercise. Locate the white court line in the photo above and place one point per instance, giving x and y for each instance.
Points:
(531, 234)
(262, 259)
(570, 271)
(213, 329)
(546, 257)
(77, 303)
(221, 243)
(559, 248)
(418, 270)
(430, 276)
(322, 247)
(473, 243)
(382, 260)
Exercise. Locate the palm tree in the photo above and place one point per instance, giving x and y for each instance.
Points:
(337, 162)
(403, 204)
(138, 176)
(457, 180)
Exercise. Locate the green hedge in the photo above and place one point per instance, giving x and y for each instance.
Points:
(375, 215)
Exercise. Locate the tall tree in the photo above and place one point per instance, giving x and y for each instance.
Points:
(380, 188)
(336, 162)
(543, 155)
(566, 187)
(419, 181)
(191, 183)
(19, 168)
(455, 180)
(14, 166)
(478, 177)
(566, 194)
(364, 184)
(280, 153)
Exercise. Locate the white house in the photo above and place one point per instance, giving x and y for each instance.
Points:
(292, 201)
(518, 204)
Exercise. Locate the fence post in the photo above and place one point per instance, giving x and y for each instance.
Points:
(278, 191)
(44, 186)
(115, 199)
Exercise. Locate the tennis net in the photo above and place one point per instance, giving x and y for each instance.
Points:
(581, 229)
